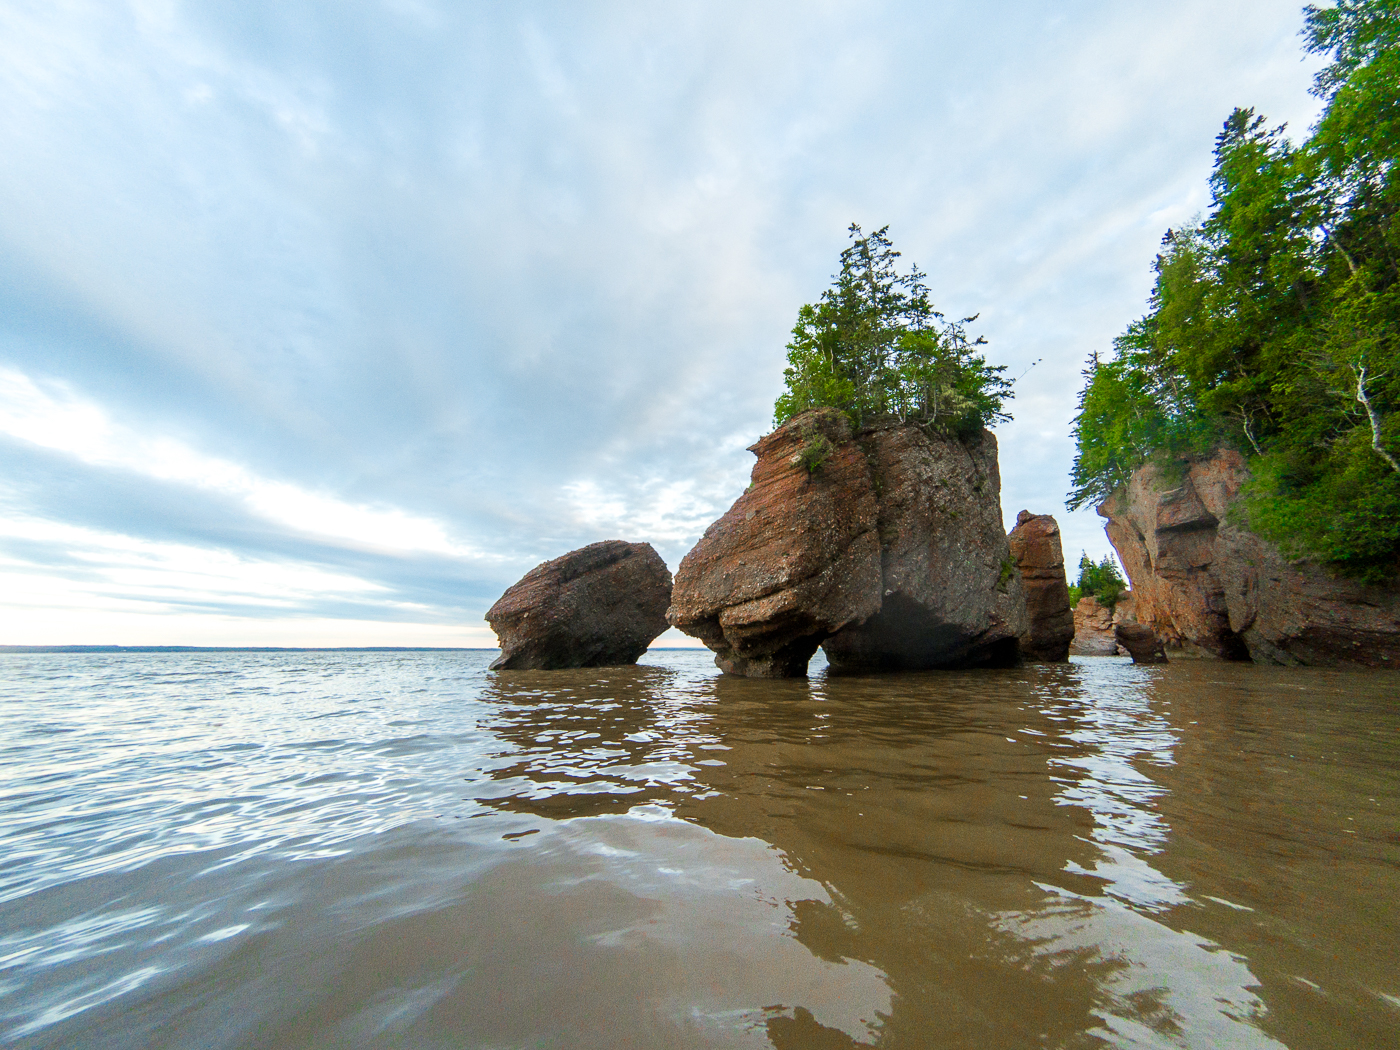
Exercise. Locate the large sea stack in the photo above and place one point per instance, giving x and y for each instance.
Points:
(1208, 586)
(885, 547)
(598, 606)
(1035, 546)
(794, 560)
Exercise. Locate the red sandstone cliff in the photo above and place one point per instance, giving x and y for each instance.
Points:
(1209, 586)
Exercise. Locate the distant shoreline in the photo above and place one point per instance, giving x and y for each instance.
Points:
(277, 648)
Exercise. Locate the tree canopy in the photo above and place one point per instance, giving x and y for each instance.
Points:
(1272, 323)
(874, 346)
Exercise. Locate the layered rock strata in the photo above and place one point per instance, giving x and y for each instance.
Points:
(1208, 586)
(1036, 549)
(886, 548)
(1093, 629)
(598, 606)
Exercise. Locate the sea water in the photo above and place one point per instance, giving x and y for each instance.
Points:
(381, 849)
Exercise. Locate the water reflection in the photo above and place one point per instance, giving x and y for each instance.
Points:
(1195, 855)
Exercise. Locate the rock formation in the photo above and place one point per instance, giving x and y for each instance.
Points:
(1093, 629)
(886, 548)
(1209, 586)
(950, 595)
(598, 606)
(795, 559)
(1142, 643)
(1035, 547)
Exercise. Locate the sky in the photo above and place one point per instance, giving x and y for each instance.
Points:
(321, 324)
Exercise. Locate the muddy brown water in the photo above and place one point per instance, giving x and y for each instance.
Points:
(408, 850)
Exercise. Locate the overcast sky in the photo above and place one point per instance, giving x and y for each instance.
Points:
(320, 324)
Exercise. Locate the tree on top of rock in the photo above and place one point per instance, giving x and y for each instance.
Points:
(874, 346)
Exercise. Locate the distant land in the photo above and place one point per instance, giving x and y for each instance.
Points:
(269, 648)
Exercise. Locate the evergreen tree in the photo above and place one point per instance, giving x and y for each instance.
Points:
(874, 346)
(1274, 323)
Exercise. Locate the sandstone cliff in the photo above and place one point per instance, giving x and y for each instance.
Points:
(1209, 586)
(886, 547)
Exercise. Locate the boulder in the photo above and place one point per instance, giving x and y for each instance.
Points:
(1035, 547)
(1209, 586)
(1093, 629)
(1142, 642)
(794, 560)
(598, 606)
(949, 593)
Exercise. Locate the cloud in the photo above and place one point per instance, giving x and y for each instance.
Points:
(420, 294)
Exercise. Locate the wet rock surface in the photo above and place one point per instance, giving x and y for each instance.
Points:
(1208, 586)
(599, 606)
(1039, 555)
(886, 548)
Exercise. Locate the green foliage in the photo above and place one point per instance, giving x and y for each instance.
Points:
(1074, 595)
(874, 347)
(1008, 566)
(1273, 326)
(815, 451)
(1102, 581)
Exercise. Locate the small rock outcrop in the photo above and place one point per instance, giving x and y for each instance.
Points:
(1142, 643)
(1036, 549)
(598, 606)
(1093, 629)
(794, 560)
(886, 548)
(950, 595)
(1208, 586)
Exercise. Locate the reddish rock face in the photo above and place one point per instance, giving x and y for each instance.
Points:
(1035, 547)
(950, 593)
(598, 606)
(1093, 629)
(794, 560)
(1207, 585)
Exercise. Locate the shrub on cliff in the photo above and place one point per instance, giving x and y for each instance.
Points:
(1103, 581)
(1274, 323)
(874, 347)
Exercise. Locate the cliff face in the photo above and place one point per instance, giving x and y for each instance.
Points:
(890, 552)
(1209, 586)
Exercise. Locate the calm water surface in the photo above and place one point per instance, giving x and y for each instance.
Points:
(407, 850)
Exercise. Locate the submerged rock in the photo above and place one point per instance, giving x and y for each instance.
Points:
(950, 595)
(793, 560)
(1035, 546)
(885, 548)
(598, 606)
(1208, 586)
(1142, 643)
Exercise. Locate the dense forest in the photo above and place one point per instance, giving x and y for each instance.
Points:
(1272, 325)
